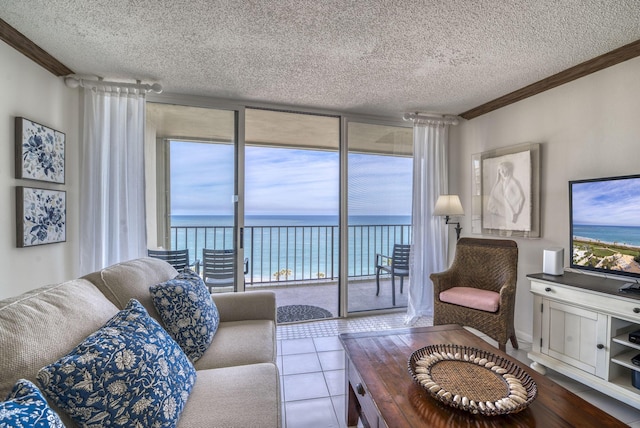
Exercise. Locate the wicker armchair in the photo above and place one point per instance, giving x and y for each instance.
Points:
(483, 271)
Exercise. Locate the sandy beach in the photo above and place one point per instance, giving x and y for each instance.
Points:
(614, 244)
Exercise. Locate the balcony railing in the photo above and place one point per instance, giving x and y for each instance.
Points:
(296, 253)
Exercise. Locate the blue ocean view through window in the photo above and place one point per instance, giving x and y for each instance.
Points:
(288, 247)
(286, 220)
(620, 235)
(291, 202)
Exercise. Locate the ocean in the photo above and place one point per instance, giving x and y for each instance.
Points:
(623, 235)
(298, 248)
(286, 220)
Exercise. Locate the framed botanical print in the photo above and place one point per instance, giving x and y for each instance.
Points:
(40, 216)
(39, 152)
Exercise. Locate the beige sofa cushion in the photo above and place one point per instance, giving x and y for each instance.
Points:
(240, 342)
(243, 396)
(42, 325)
(131, 280)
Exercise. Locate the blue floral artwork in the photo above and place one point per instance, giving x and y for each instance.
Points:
(39, 152)
(41, 216)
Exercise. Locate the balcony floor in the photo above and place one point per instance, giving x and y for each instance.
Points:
(362, 295)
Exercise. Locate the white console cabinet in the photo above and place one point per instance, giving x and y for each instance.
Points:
(581, 327)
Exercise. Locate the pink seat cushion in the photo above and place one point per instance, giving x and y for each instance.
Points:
(483, 300)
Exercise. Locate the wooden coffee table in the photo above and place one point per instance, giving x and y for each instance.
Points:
(382, 393)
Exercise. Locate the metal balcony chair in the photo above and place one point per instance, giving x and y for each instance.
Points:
(179, 259)
(218, 268)
(479, 289)
(396, 265)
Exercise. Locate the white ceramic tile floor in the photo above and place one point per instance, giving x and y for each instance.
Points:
(311, 363)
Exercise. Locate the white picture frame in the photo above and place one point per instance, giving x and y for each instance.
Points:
(506, 192)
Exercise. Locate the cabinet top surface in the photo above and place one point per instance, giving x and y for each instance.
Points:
(587, 282)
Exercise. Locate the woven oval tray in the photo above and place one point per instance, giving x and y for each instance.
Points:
(472, 379)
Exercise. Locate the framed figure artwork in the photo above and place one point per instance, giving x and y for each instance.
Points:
(505, 192)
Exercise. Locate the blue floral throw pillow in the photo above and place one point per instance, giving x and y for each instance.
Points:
(187, 311)
(130, 373)
(26, 407)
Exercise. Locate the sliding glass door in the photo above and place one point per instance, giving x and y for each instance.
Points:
(271, 199)
(291, 171)
(197, 188)
(271, 189)
(379, 193)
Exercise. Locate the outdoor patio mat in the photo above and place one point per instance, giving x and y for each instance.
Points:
(293, 313)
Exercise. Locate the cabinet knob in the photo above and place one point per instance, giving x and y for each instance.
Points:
(548, 289)
(636, 310)
(600, 346)
(360, 389)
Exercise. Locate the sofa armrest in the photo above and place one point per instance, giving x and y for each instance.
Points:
(252, 305)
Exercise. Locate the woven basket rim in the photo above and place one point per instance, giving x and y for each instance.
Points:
(517, 381)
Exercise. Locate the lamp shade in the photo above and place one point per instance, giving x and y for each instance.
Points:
(448, 205)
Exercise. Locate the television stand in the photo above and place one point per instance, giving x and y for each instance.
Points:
(581, 326)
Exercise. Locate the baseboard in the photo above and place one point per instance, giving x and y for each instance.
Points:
(526, 337)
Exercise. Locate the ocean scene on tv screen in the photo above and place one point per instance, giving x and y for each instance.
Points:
(606, 224)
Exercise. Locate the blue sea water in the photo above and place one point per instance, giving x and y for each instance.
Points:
(623, 235)
(308, 246)
(286, 220)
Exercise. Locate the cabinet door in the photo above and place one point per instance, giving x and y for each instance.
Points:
(574, 335)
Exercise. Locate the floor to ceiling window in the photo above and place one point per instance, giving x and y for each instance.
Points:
(197, 184)
(270, 195)
(379, 206)
(291, 172)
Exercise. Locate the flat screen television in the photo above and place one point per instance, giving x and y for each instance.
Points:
(605, 225)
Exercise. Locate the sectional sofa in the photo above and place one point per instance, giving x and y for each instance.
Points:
(236, 379)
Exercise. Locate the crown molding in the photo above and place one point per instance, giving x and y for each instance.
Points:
(22, 44)
(601, 62)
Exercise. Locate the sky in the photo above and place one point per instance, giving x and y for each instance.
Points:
(286, 181)
(610, 203)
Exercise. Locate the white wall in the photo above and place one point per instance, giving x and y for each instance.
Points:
(588, 128)
(151, 185)
(30, 91)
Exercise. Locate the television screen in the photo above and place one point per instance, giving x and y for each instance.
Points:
(605, 225)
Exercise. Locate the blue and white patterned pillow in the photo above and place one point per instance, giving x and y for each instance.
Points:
(129, 373)
(26, 407)
(187, 311)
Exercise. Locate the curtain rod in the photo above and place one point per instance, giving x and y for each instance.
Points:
(432, 118)
(74, 82)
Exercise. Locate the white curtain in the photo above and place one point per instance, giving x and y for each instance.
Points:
(112, 204)
(430, 236)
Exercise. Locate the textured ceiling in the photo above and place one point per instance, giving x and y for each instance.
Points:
(364, 56)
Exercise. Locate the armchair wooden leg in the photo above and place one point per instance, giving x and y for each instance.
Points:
(377, 281)
(514, 341)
